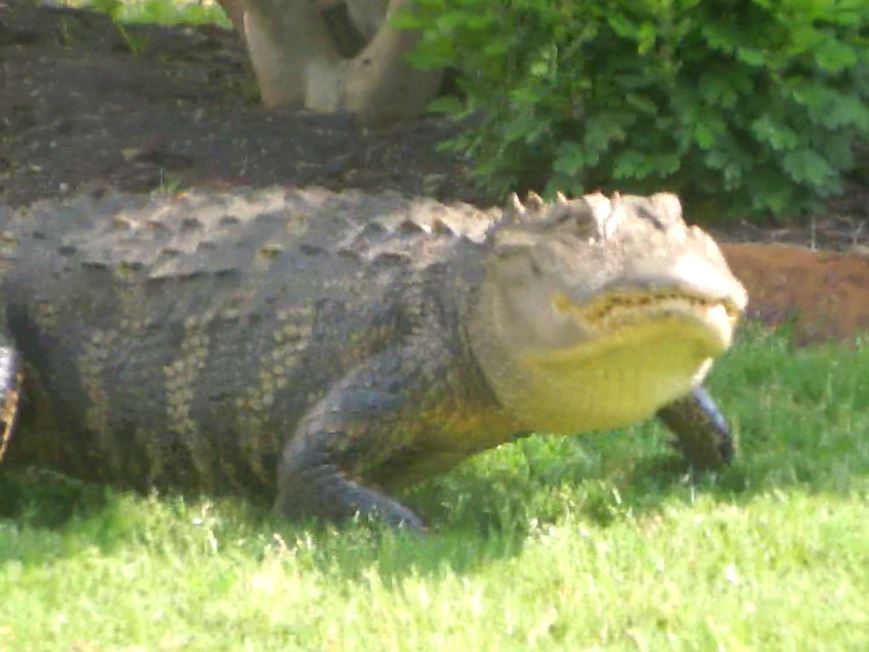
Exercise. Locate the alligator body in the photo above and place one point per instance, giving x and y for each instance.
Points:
(325, 348)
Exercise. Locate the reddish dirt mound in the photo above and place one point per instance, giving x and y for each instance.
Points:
(824, 294)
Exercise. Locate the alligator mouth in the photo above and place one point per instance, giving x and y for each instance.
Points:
(630, 353)
(709, 321)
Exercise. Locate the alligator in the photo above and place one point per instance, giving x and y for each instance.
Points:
(326, 348)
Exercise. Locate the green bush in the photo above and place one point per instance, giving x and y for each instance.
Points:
(752, 105)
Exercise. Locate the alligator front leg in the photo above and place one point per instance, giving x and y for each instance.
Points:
(700, 428)
(368, 420)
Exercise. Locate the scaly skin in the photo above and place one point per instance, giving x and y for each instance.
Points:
(326, 348)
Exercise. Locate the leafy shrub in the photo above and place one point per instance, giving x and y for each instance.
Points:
(752, 105)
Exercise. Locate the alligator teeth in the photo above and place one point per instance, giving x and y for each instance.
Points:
(604, 309)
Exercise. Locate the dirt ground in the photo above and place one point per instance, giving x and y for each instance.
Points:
(80, 111)
(82, 108)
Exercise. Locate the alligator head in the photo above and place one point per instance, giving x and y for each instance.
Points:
(594, 313)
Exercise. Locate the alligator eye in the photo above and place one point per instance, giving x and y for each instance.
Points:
(650, 216)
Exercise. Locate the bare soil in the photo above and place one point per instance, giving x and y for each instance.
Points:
(82, 108)
(80, 111)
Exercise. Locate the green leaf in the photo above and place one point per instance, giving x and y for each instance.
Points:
(670, 164)
(848, 110)
(623, 26)
(540, 68)
(641, 103)
(704, 136)
(720, 36)
(829, 107)
(778, 194)
(570, 159)
(647, 36)
(751, 56)
(634, 164)
(805, 165)
(523, 127)
(779, 136)
(838, 150)
(723, 85)
(708, 129)
(601, 131)
(833, 55)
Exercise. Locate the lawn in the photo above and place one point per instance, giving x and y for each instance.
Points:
(596, 543)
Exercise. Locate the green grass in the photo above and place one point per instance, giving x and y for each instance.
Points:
(595, 543)
(164, 12)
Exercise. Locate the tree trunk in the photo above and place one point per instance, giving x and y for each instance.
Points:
(333, 55)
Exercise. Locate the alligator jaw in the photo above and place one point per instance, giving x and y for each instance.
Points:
(633, 353)
(617, 319)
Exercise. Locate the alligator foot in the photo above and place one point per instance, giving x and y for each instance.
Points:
(324, 492)
(701, 430)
